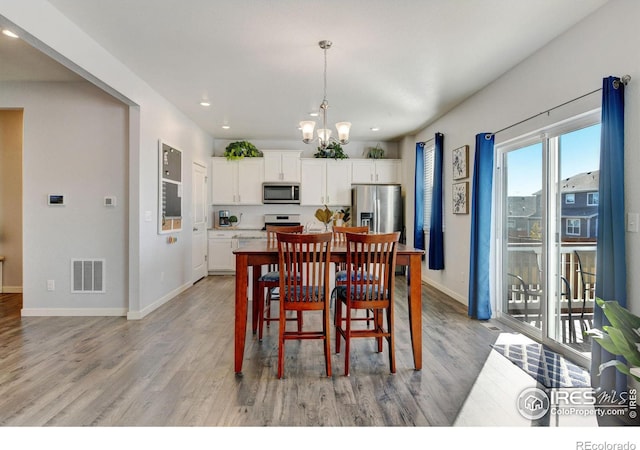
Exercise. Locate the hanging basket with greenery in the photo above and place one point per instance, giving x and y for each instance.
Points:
(240, 149)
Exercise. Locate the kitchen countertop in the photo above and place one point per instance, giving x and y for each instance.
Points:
(242, 233)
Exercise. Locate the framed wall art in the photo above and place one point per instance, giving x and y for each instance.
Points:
(461, 198)
(460, 162)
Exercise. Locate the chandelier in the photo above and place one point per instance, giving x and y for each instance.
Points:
(324, 134)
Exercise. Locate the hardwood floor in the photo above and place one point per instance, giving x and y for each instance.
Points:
(175, 368)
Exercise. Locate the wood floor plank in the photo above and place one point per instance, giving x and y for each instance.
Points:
(175, 368)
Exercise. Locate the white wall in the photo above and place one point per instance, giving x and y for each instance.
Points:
(604, 44)
(74, 144)
(156, 270)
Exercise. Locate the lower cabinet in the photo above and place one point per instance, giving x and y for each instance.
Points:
(220, 253)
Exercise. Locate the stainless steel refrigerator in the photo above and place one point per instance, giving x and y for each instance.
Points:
(378, 206)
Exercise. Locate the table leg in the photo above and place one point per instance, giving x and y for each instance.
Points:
(415, 308)
(241, 310)
(256, 297)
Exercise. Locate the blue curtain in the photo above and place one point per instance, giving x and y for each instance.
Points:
(611, 271)
(418, 220)
(436, 240)
(480, 251)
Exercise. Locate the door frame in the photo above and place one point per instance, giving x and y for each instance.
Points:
(199, 228)
(551, 240)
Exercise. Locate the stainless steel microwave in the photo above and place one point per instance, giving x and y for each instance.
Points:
(281, 193)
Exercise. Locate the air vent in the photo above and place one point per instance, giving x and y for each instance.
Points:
(87, 276)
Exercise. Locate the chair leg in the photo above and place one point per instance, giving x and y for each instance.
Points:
(347, 340)
(326, 324)
(337, 317)
(281, 329)
(264, 303)
(392, 343)
(377, 325)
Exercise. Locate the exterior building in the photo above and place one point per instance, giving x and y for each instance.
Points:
(579, 221)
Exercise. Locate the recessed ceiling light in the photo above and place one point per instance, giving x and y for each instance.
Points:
(375, 129)
(225, 127)
(313, 114)
(205, 103)
(9, 33)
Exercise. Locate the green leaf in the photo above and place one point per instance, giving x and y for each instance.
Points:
(619, 316)
(606, 343)
(623, 346)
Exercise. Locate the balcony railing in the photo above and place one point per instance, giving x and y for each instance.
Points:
(574, 302)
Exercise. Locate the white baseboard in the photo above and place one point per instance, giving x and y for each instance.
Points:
(11, 289)
(70, 312)
(446, 290)
(137, 315)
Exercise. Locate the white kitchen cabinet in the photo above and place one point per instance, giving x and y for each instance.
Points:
(375, 171)
(325, 182)
(236, 182)
(281, 165)
(220, 252)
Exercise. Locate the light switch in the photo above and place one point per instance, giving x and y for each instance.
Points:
(632, 222)
(147, 216)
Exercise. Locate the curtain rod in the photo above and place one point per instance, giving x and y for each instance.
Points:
(625, 80)
(425, 142)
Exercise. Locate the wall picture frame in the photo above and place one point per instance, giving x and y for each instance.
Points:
(460, 197)
(460, 162)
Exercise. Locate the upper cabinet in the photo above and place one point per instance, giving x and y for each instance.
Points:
(236, 182)
(375, 171)
(325, 182)
(281, 165)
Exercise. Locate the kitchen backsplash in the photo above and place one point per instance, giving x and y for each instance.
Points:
(252, 217)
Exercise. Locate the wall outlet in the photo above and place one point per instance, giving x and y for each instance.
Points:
(51, 285)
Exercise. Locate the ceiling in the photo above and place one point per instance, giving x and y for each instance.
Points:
(395, 65)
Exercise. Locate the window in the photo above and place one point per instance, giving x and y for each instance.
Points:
(573, 227)
(592, 199)
(557, 167)
(429, 154)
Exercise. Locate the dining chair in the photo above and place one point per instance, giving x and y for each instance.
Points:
(268, 283)
(375, 256)
(304, 261)
(340, 239)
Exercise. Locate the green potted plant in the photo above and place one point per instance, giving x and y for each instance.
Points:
(333, 150)
(376, 152)
(240, 149)
(233, 220)
(621, 338)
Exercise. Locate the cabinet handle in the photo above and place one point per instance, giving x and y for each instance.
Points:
(376, 177)
(371, 176)
(328, 201)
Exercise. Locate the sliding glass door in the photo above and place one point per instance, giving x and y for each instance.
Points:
(548, 216)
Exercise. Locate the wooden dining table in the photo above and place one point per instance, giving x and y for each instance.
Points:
(259, 253)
